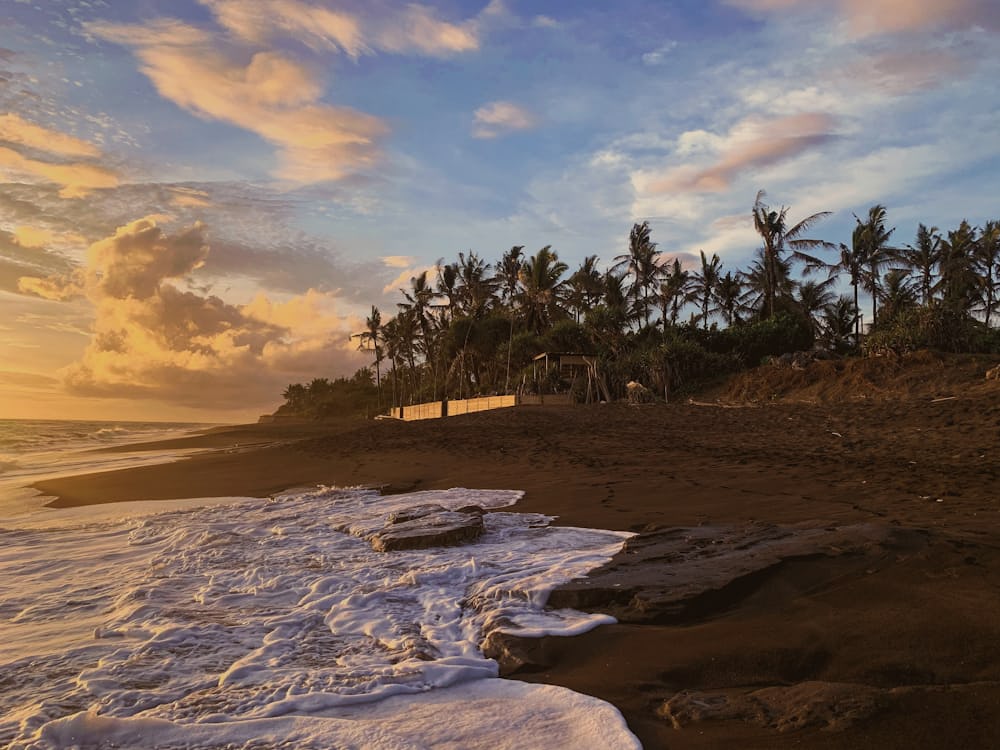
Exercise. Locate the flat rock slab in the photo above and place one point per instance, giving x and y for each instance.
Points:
(426, 526)
(686, 574)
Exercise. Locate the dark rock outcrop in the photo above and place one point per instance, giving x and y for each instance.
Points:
(427, 526)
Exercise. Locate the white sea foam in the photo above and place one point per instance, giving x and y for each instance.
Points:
(256, 625)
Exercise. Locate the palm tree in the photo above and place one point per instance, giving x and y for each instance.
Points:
(446, 285)
(813, 297)
(586, 286)
(703, 283)
(776, 237)
(476, 287)
(958, 280)
(373, 325)
(987, 263)
(641, 261)
(675, 292)
(728, 292)
(541, 289)
(509, 272)
(839, 319)
(508, 276)
(852, 262)
(419, 304)
(763, 278)
(875, 251)
(897, 294)
(923, 257)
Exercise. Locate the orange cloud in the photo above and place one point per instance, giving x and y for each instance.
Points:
(318, 27)
(17, 130)
(77, 179)
(151, 339)
(500, 117)
(869, 17)
(752, 143)
(271, 96)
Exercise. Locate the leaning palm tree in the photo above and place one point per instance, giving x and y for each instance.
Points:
(541, 290)
(642, 262)
(777, 238)
(703, 283)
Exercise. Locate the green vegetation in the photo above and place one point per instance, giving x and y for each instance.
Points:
(475, 328)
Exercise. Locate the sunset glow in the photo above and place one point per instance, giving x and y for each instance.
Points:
(201, 199)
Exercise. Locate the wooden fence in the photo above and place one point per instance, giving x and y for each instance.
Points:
(438, 409)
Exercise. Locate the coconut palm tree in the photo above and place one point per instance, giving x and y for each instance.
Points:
(852, 262)
(447, 281)
(923, 258)
(875, 251)
(728, 292)
(777, 238)
(764, 278)
(987, 264)
(838, 323)
(586, 286)
(475, 285)
(372, 335)
(541, 290)
(642, 261)
(509, 272)
(703, 283)
(675, 292)
(813, 297)
(958, 281)
(897, 295)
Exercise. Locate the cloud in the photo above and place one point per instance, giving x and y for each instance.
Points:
(754, 142)
(19, 257)
(501, 117)
(659, 55)
(317, 27)
(77, 179)
(402, 280)
(417, 30)
(184, 197)
(398, 261)
(271, 95)
(152, 340)
(872, 17)
(17, 130)
(413, 29)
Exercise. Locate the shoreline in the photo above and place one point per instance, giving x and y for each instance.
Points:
(906, 617)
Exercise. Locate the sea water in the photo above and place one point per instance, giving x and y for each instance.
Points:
(251, 624)
(35, 449)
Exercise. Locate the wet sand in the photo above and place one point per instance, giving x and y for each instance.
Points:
(805, 575)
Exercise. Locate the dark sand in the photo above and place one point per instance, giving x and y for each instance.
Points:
(834, 582)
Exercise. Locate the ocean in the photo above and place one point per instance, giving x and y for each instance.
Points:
(247, 624)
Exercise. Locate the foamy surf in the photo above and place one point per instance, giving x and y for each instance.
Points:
(257, 625)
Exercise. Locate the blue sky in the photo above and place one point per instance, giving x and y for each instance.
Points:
(254, 174)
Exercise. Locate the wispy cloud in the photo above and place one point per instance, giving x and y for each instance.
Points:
(500, 118)
(870, 17)
(754, 142)
(271, 95)
(15, 129)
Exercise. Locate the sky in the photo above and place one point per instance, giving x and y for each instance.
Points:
(200, 200)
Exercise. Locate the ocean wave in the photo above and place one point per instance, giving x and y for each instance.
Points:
(198, 624)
